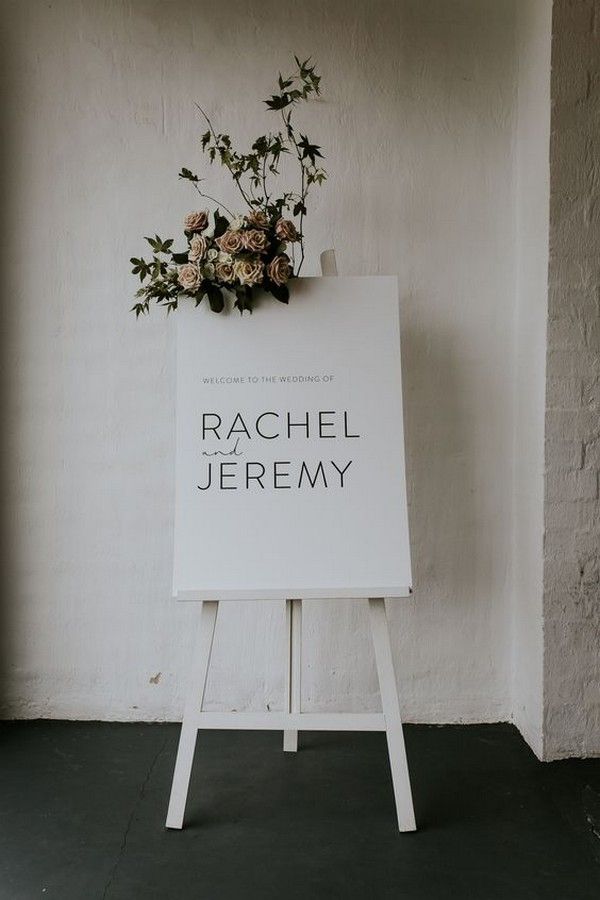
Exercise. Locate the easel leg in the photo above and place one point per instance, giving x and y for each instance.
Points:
(193, 706)
(293, 624)
(391, 711)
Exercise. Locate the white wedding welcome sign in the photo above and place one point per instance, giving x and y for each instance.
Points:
(290, 474)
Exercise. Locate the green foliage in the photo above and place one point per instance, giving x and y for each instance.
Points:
(158, 245)
(244, 299)
(215, 297)
(255, 171)
(281, 292)
(221, 224)
(255, 175)
(189, 176)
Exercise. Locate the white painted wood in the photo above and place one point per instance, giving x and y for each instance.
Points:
(391, 712)
(292, 719)
(328, 263)
(280, 721)
(293, 610)
(191, 716)
(323, 593)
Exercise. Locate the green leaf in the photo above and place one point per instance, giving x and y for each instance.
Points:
(221, 224)
(188, 175)
(278, 101)
(179, 258)
(140, 267)
(140, 309)
(281, 292)
(215, 298)
(309, 151)
(245, 299)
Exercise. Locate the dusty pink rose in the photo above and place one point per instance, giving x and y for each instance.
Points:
(249, 271)
(256, 241)
(279, 269)
(231, 242)
(198, 247)
(258, 219)
(189, 276)
(196, 221)
(224, 271)
(286, 230)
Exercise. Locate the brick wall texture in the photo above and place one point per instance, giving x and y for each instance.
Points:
(572, 507)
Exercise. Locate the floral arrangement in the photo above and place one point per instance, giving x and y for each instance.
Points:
(261, 249)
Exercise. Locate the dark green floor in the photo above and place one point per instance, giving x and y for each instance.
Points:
(82, 809)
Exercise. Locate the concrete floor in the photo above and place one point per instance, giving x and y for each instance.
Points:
(82, 808)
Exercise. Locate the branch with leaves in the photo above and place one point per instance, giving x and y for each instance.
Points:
(239, 254)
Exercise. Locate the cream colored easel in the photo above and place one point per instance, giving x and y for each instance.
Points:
(293, 720)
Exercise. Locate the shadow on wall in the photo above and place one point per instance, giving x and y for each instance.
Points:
(451, 549)
(457, 526)
(452, 524)
(8, 360)
(440, 461)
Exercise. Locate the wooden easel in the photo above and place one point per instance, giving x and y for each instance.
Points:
(293, 720)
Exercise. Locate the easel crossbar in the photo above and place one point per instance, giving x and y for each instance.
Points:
(297, 721)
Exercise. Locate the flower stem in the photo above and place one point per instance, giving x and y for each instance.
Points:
(303, 190)
(235, 177)
(216, 202)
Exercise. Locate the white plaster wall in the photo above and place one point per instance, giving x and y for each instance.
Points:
(532, 195)
(418, 121)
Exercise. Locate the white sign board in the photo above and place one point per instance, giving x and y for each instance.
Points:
(290, 451)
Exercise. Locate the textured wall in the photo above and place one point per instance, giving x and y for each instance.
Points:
(572, 508)
(418, 123)
(532, 167)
